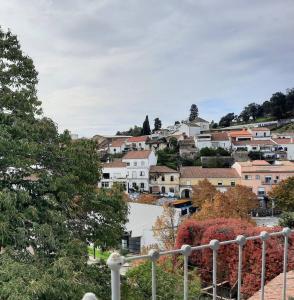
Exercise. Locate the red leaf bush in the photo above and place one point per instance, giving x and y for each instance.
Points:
(194, 233)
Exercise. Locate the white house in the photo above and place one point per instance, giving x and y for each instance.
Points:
(137, 143)
(141, 218)
(138, 165)
(192, 128)
(287, 145)
(117, 146)
(213, 140)
(112, 172)
(259, 133)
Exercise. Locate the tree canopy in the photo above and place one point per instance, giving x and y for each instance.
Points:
(157, 124)
(50, 208)
(146, 127)
(193, 112)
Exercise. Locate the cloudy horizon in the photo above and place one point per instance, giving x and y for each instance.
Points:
(104, 65)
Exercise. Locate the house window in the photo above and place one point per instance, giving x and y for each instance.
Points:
(162, 178)
(172, 178)
(257, 177)
(142, 185)
(268, 179)
(277, 177)
(254, 148)
(106, 175)
(128, 164)
(248, 177)
(171, 190)
(219, 183)
(233, 183)
(163, 189)
(105, 184)
(142, 173)
(134, 184)
(135, 163)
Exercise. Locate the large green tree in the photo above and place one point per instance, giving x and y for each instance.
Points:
(193, 112)
(50, 208)
(146, 127)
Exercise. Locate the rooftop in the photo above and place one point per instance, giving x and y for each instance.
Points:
(162, 169)
(219, 136)
(136, 139)
(117, 143)
(137, 154)
(283, 141)
(237, 133)
(199, 172)
(253, 142)
(115, 164)
(259, 129)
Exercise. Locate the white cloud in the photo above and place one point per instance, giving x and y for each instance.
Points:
(104, 65)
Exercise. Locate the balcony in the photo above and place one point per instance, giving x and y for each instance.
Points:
(116, 261)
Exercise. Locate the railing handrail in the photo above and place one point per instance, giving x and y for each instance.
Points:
(116, 261)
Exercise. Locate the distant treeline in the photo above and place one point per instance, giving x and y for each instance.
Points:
(279, 106)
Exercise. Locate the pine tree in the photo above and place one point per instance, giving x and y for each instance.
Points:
(49, 205)
(146, 127)
(193, 112)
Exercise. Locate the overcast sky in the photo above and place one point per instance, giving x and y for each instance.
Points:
(104, 64)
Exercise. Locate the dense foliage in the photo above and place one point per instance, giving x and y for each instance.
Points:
(286, 219)
(146, 127)
(201, 232)
(49, 206)
(157, 124)
(133, 131)
(138, 285)
(283, 193)
(193, 112)
(279, 106)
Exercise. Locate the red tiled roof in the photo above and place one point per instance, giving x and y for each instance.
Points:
(136, 139)
(219, 136)
(117, 143)
(162, 169)
(237, 133)
(282, 141)
(253, 142)
(199, 172)
(137, 154)
(115, 164)
(273, 289)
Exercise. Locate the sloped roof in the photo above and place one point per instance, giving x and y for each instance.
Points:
(199, 172)
(115, 164)
(237, 133)
(136, 139)
(219, 136)
(137, 154)
(260, 129)
(283, 141)
(161, 169)
(253, 142)
(117, 143)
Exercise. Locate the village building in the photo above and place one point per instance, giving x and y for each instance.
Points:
(261, 176)
(221, 178)
(187, 148)
(138, 165)
(260, 133)
(240, 135)
(286, 145)
(164, 180)
(117, 146)
(137, 143)
(213, 140)
(113, 172)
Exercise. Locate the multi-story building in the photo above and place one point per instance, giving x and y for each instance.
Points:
(117, 146)
(286, 145)
(213, 140)
(138, 164)
(164, 180)
(260, 133)
(240, 135)
(262, 176)
(221, 178)
(113, 172)
(137, 143)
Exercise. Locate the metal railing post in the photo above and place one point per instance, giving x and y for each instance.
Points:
(241, 240)
(154, 255)
(115, 262)
(263, 236)
(286, 233)
(186, 251)
(214, 245)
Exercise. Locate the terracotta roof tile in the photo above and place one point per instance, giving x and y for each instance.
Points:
(219, 136)
(115, 164)
(117, 143)
(136, 139)
(162, 169)
(137, 154)
(253, 142)
(259, 129)
(283, 141)
(199, 172)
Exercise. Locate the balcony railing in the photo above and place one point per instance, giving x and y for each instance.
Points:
(116, 261)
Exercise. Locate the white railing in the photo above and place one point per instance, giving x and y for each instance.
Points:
(116, 261)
